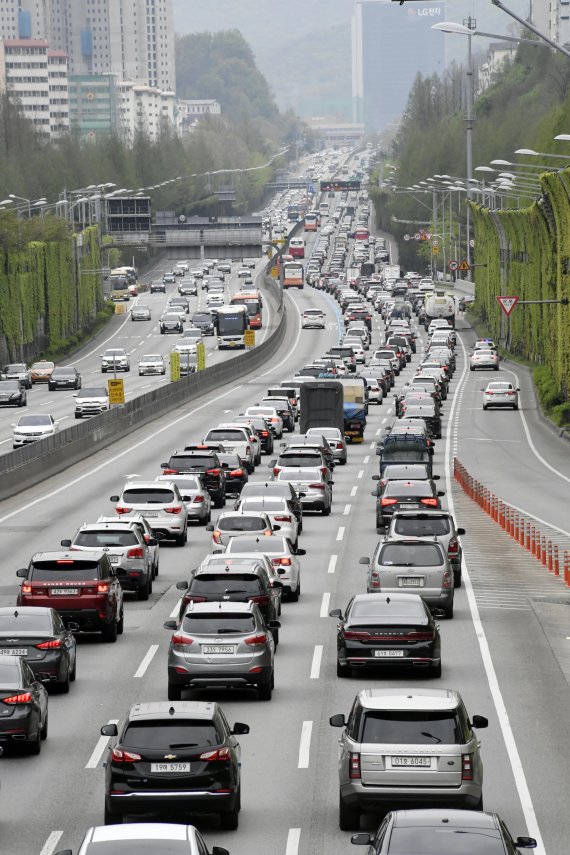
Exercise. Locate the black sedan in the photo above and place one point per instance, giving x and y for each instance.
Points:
(23, 705)
(39, 635)
(236, 472)
(12, 393)
(406, 496)
(444, 831)
(64, 377)
(379, 630)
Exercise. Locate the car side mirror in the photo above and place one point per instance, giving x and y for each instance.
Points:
(114, 499)
(240, 729)
(479, 721)
(109, 730)
(335, 613)
(276, 583)
(22, 572)
(182, 586)
(525, 843)
(151, 541)
(170, 624)
(441, 493)
(72, 626)
(376, 477)
(364, 560)
(276, 528)
(300, 551)
(186, 498)
(164, 465)
(337, 720)
(219, 850)
(274, 624)
(460, 531)
(361, 839)
(66, 543)
(209, 527)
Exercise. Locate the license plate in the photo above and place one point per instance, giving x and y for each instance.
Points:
(218, 648)
(13, 651)
(410, 505)
(64, 592)
(170, 768)
(151, 514)
(352, 432)
(387, 654)
(411, 761)
(114, 559)
(412, 582)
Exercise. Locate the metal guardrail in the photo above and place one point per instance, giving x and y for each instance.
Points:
(193, 237)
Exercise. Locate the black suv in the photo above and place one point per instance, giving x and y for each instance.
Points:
(205, 462)
(180, 757)
(239, 581)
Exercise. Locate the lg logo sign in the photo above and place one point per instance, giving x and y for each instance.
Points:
(425, 12)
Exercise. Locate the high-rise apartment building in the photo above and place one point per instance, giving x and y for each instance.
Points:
(391, 44)
(552, 17)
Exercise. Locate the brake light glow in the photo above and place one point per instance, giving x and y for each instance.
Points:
(180, 640)
(256, 640)
(175, 510)
(316, 486)
(136, 552)
(212, 471)
(264, 433)
(103, 588)
(354, 765)
(22, 698)
(169, 471)
(467, 767)
(217, 536)
(420, 636)
(431, 502)
(453, 548)
(120, 756)
(122, 510)
(198, 499)
(49, 645)
(216, 754)
(26, 589)
(385, 502)
(191, 599)
(374, 579)
(260, 600)
(283, 518)
(276, 470)
(355, 635)
(236, 473)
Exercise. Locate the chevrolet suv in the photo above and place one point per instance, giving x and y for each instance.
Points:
(125, 548)
(179, 757)
(408, 747)
(83, 588)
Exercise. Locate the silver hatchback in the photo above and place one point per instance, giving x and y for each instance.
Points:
(221, 644)
(406, 748)
(313, 488)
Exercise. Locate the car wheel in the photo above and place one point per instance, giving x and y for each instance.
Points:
(35, 745)
(515, 406)
(155, 570)
(63, 685)
(73, 672)
(343, 670)
(294, 595)
(111, 818)
(78, 416)
(229, 820)
(471, 368)
(219, 501)
(174, 692)
(457, 581)
(143, 591)
(449, 611)
(180, 539)
(109, 632)
(479, 805)
(348, 818)
(485, 406)
(275, 634)
(326, 511)
(44, 730)
(265, 689)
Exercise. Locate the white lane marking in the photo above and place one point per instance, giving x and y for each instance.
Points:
(305, 745)
(118, 456)
(99, 346)
(51, 843)
(372, 445)
(176, 609)
(95, 758)
(340, 533)
(390, 411)
(147, 659)
(316, 664)
(325, 603)
(502, 714)
(367, 458)
(5, 440)
(293, 840)
(384, 420)
(379, 431)
(332, 563)
(353, 491)
(347, 509)
(360, 474)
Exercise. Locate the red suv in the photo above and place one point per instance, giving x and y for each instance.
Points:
(84, 589)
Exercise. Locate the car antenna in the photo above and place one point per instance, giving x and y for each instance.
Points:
(16, 613)
(171, 711)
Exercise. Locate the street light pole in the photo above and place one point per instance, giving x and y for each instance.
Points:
(471, 25)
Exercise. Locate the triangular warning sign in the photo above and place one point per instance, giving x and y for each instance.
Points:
(507, 304)
(464, 266)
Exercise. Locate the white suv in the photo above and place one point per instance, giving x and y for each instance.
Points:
(160, 503)
(115, 359)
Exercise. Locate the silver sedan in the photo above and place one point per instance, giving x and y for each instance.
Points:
(282, 555)
(152, 363)
(194, 495)
(500, 394)
(484, 358)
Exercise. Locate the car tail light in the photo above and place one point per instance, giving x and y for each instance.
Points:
(284, 518)
(26, 589)
(216, 754)
(375, 579)
(316, 486)
(256, 640)
(276, 470)
(324, 470)
(420, 636)
(510, 393)
(431, 502)
(103, 588)
(236, 473)
(294, 401)
(355, 635)
(22, 698)
(189, 598)
(120, 756)
(169, 471)
(339, 445)
(453, 548)
(386, 502)
(264, 433)
(136, 552)
(261, 600)
(217, 536)
(212, 472)
(120, 509)
(49, 645)
(275, 419)
(354, 766)
(179, 640)
(198, 499)
(467, 767)
(175, 510)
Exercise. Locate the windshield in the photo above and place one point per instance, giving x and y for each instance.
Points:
(408, 488)
(410, 555)
(99, 539)
(16, 368)
(398, 727)
(241, 523)
(164, 734)
(10, 385)
(147, 496)
(271, 545)
(300, 459)
(33, 421)
(93, 392)
(220, 583)
(63, 372)
(218, 623)
(16, 621)
(232, 323)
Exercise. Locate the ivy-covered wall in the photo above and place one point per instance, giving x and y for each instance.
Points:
(48, 292)
(526, 252)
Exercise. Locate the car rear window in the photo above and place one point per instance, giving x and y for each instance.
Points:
(99, 539)
(147, 496)
(64, 568)
(241, 523)
(270, 545)
(411, 728)
(9, 674)
(383, 608)
(410, 555)
(221, 434)
(16, 621)
(422, 527)
(177, 733)
(223, 583)
(218, 623)
(300, 459)
(300, 475)
(408, 488)
(268, 505)
(446, 841)
(190, 461)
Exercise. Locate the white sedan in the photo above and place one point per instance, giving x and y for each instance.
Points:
(484, 358)
(500, 393)
(313, 319)
(31, 428)
(152, 363)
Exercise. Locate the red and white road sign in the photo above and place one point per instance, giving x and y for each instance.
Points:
(453, 265)
(507, 304)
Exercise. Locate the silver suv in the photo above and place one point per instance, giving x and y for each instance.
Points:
(408, 748)
(406, 525)
(221, 644)
(139, 522)
(161, 504)
(115, 359)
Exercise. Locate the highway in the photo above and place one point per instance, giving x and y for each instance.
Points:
(504, 652)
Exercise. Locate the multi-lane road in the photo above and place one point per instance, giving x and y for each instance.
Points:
(503, 651)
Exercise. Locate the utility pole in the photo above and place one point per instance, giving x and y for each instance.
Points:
(471, 24)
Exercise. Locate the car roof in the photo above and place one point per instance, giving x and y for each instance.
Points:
(433, 817)
(382, 598)
(218, 606)
(16, 611)
(138, 831)
(75, 556)
(409, 699)
(104, 524)
(178, 709)
(148, 485)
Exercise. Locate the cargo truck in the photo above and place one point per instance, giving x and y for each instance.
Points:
(322, 405)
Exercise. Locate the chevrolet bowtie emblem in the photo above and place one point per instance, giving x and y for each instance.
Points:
(170, 756)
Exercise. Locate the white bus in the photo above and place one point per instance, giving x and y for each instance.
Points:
(230, 323)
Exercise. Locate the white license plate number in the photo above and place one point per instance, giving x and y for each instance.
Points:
(13, 651)
(170, 768)
(412, 582)
(410, 505)
(114, 559)
(388, 654)
(152, 514)
(217, 648)
(64, 592)
(411, 761)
